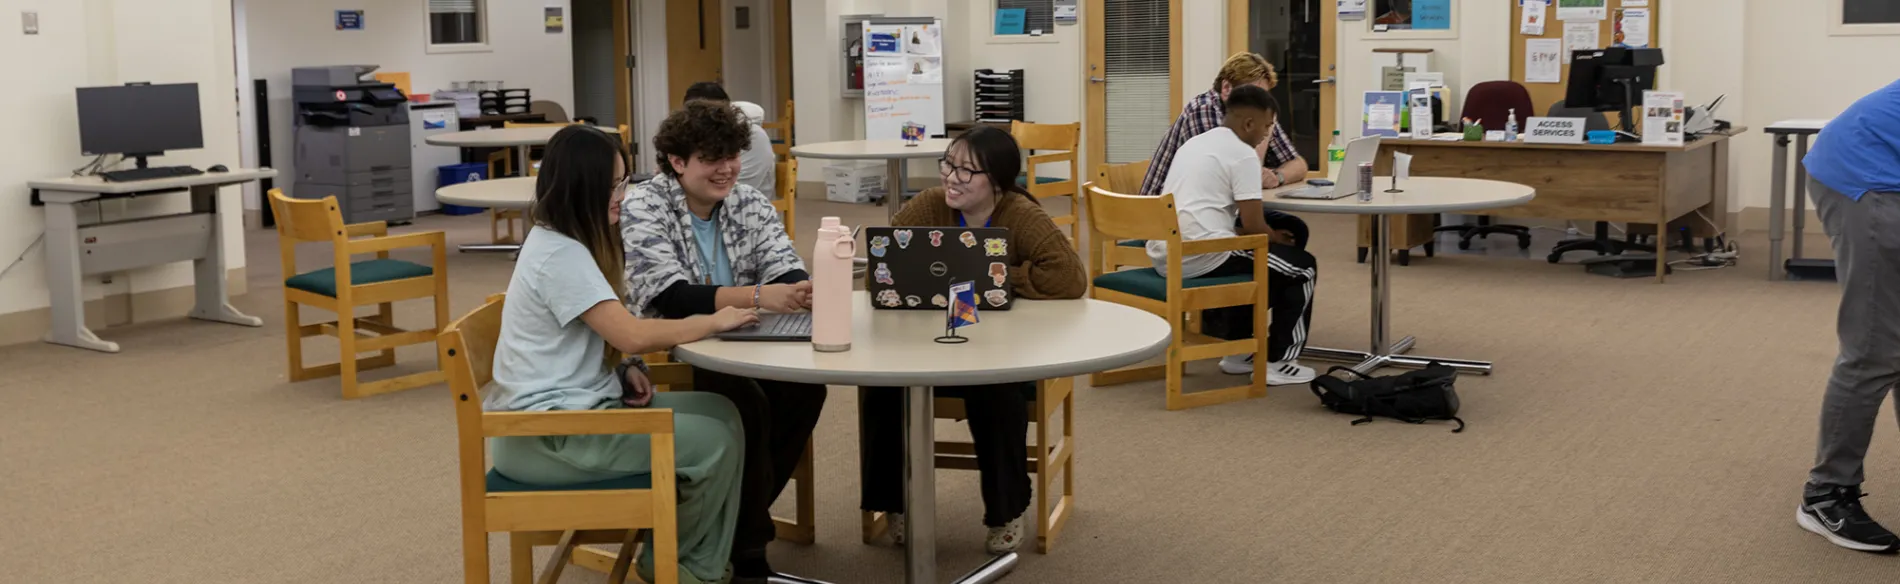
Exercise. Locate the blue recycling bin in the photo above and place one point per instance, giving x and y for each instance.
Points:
(455, 174)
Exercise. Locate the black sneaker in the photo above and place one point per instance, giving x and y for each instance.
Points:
(1838, 516)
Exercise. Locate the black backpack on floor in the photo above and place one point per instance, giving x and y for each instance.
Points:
(1413, 397)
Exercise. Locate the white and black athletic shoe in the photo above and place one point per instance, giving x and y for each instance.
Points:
(1838, 516)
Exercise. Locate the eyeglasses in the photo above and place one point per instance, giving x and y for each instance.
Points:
(951, 170)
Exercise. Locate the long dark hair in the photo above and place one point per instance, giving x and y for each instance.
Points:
(996, 150)
(571, 195)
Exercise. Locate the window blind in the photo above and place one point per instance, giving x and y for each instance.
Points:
(1135, 70)
(451, 6)
(1038, 14)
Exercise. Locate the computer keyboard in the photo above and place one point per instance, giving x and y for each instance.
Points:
(791, 324)
(156, 172)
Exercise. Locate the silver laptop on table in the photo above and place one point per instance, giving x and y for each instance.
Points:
(1358, 151)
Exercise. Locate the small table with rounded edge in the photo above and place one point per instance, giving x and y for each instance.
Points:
(893, 152)
(518, 138)
(1032, 341)
(1424, 195)
(515, 193)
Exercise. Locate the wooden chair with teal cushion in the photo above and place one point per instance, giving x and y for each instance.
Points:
(1058, 144)
(569, 516)
(1116, 217)
(1120, 178)
(347, 284)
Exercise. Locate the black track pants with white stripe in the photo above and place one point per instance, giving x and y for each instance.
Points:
(1292, 273)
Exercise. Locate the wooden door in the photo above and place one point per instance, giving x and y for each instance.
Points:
(694, 46)
(1134, 68)
(623, 65)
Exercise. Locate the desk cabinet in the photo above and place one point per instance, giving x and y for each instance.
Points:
(1642, 186)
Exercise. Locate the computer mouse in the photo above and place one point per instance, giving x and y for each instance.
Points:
(217, 168)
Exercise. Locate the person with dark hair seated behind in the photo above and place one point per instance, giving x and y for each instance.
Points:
(979, 177)
(698, 241)
(758, 165)
(1215, 181)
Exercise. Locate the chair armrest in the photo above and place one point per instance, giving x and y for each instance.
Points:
(378, 244)
(1032, 161)
(670, 373)
(376, 228)
(1257, 243)
(578, 422)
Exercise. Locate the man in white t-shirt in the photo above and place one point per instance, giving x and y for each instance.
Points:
(1215, 180)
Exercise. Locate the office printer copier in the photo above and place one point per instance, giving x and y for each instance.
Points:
(352, 141)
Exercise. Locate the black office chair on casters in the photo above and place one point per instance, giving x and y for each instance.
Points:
(1490, 102)
(1601, 243)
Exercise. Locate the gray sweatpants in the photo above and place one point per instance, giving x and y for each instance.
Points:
(1866, 235)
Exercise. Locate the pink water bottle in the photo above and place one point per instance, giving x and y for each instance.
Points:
(831, 287)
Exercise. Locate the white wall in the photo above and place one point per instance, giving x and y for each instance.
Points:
(105, 42)
(1794, 69)
(286, 34)
(1480, 53)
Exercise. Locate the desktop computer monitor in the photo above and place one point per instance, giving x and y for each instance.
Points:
(139, 120)
(1611, 79)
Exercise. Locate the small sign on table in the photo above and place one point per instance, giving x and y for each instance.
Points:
(1554, 130)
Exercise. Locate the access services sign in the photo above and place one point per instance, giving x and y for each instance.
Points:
(1554, 130)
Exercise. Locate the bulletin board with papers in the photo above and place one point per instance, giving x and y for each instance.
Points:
(1529, 52)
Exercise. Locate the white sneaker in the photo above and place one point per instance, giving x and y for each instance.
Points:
(894, 526)
(1005, 539)
(1236, 365)
(1289, 373)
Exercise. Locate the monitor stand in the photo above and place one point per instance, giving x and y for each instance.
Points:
(1627, 127)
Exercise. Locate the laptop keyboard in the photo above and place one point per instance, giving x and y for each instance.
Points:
(792, 324)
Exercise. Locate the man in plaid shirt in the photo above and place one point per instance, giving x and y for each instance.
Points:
(1280, 162)
(1292, 268)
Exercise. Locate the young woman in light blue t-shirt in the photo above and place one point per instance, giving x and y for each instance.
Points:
(564, 328)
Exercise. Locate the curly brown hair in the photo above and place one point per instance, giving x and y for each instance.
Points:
(708, 131)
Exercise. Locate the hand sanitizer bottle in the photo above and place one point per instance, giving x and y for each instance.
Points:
(1510, 126)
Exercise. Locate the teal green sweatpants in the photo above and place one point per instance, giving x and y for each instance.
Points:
(709, 451)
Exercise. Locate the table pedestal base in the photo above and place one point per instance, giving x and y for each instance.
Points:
(1386, 355)
(920, 498)
(1395, 356)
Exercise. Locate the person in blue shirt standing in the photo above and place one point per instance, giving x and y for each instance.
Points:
(1854, 178)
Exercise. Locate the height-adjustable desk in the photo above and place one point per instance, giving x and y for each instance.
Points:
(73, 252)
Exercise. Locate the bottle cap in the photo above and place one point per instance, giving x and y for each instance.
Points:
(828, 222)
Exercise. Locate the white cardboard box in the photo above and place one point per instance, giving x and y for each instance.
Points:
(854, 182)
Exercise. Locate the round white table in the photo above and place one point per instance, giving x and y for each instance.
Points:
(518, 138)
(893, 152)
(1422, 195)
(1034, 340)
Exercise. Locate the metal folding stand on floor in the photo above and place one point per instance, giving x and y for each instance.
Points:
(1796, 267)
(1382, 354)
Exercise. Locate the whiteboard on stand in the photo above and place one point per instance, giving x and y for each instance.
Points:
(903, 76)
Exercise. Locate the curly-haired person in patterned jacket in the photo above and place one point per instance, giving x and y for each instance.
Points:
(697, 240)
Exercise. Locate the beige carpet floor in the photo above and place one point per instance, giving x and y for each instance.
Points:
(1633, 433)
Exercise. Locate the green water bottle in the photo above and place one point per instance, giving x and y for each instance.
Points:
(1336, 151)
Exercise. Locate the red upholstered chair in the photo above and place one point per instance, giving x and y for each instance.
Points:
(1490, 103)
